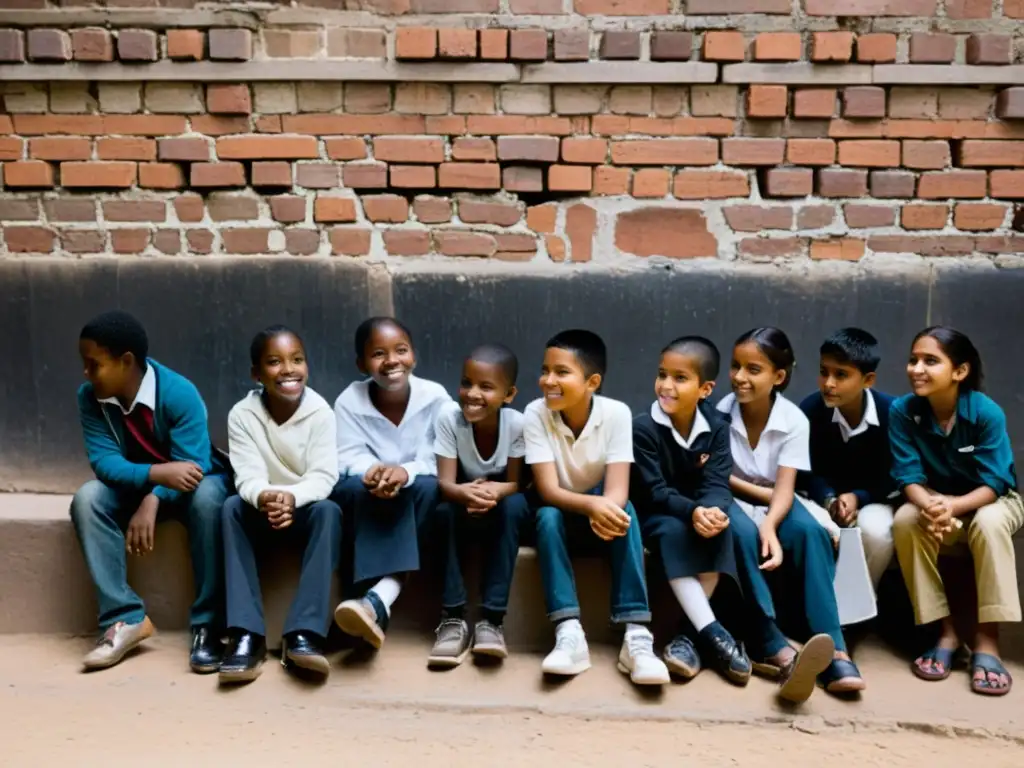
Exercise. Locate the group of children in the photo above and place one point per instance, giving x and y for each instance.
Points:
(756, 490)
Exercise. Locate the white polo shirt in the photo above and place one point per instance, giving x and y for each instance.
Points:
(453, 439)
(580, 461)
(870, 419)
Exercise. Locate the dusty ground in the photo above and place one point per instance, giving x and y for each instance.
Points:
(391, 712)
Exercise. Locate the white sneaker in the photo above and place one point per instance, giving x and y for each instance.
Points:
(571, 654)
(638, 660)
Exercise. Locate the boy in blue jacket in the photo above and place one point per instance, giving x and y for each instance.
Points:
(147, 440)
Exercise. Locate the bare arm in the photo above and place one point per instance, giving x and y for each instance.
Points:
(546, 478)
(781, 496)
(447, 471)
(973, 501)
(616, 484)
(747, 491)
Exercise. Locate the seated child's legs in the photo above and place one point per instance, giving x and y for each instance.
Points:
(203, 520)
(555, 565)
(503, 526)
(765, 637)
(443, 538)
(99, 514)
(629, 582)
(990, 538)
(875, 523)
(319, 524)
(242, 524)
(918, 554)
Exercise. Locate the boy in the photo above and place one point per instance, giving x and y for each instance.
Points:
(580, 446)
(479, 447)
(681, 488)
(147, 440)
(850, 454)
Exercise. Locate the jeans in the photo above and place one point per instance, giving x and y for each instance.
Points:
(318, 525)
(101, 514)
(555, 530)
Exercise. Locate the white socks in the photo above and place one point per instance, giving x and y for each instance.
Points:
(690, 593)
(388, 589)
(634, 628)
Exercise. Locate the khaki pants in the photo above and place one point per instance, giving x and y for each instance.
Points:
(988, 533)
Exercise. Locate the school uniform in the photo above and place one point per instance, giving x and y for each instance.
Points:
(299, 457)
(386, 530)
(580, 463)
(672, 476)
(497, 530)
(976, 452)
(166, 422)
(808, 568)
(855, 460)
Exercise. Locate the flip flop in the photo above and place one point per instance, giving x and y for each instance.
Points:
(841, 669)
(943, 656)
(800, 675)
(989, 664)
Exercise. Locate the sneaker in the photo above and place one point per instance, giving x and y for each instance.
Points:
(116, 642)
(452, 644)
(638, 660)
(366, 618)
(681, 657)
(571, 654)
(489, 640)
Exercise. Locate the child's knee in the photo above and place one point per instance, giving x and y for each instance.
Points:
(875, 522)
(325, 515)
(549, 520)
(514, 508)
(92, 500)
(989, 524)
(905, 523)
(209, 497)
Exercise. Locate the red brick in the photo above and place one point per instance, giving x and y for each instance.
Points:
(60, 148)
(226, 207)
(469, 176)
(584, 149)
(134, 210)
(230, 44)
(198, 241)
(415, 43)
(1000, 244)
(864, 101)
(386, 208)
(348, 125)
(932, 245)
(831, 46)
(301, 242)
(28, 173)
(451, 243)
(609, 180)
(651, 182)
(245, 240)
(406, 149)
(979, 216)
(754, 218)
(145, 125)
(843, 249)
(528, 148)
(1008, 185)
(11, 148)
(815, 217)
(992, 154)
(276, 173)
(217, 175)
(671, 45)
(493, 125)
(184, 149)
(789, 182)
(836, 182)
(870, 153)
(876, 48)
(49, 45)
(1013, 9)
(518, 178)
(317, 175)
(407, 242)
(536, 7)
(969, 9)
(498, 214)
(365, 175)
(710, 185)
(924, 216)
(288, 209)
(466, 148)
(71, 125)
(767, 100)
(70, 209)
(723, 45)
(128, 241)
(570, 178)
(83, 241)
(943, 184)
(744, 151)
(678, 233)
(711, 7)
(989, 49)
(556, 247)
(138, 45)
(228, 99)
(811, 151)
(515, 247)
(125, 149)
(92, 44)
(542, 218)
(814, 102)
(580, 225)
(926, 155)
(620, 45)
(413, 176)
(345, 148)
(161, 176)
(18, 210)
(1010, 103)
(189, 208)
(870, 7)
(456, 43)
(932, 48)
(350, 241)
(528, 45)
(29, 239)
(432, 210)
(860, 216)
(185, 44)
(621, 7)
(257, 147)
(778, 46)
(220, 125)
(692, 151)
(106, 175)
(772, 247)
(889, 184)
(572, 44)
(332, 208)
(12, 46)
(494, 44)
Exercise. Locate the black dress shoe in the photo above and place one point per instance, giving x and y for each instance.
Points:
(206, 652)
(720, 651)
(303, 650)
(244, 658)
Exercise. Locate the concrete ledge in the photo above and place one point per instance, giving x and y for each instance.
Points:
(621, 72)
(156, 18)
(801, 73)
(946, 74)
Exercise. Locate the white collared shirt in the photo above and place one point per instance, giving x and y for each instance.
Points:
(454, 440)
(870, 419)
(580, 461)
(145, 396)
(698, 428)
(366, 437)
(785, 441)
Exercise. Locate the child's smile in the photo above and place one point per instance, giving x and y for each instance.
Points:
(388, 358)
(283, 371)
(752, 374)
(483, 389)
(562, 381)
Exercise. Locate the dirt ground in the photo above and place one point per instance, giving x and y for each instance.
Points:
(150, 711)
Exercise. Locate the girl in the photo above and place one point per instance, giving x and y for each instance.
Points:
(953, 461)
(282, 441)
(769, 437)
(386, 455)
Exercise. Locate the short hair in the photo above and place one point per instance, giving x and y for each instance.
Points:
(774, 344)
(371, 324)
(499, 355)
(587, 346)
(960, 350)
(853, 346)
(118, 332)
(259, 341)
(700, 349)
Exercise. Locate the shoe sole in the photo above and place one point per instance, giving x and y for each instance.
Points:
(447, 662)
(204, 669)
(642, 680)
(240, 675)
(310, 662)
(576, 669)
(680, 669)
(356, 622)
(147, 631)
(490, 651)
(811, 660)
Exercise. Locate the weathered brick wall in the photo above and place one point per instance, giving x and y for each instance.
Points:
(543, 130)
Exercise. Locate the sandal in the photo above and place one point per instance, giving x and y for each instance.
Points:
(990, 665)
(936, 655)
(726, 655)
(798, 677)
(682, 658)
(841, 669)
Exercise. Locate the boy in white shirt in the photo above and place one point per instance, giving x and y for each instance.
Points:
(479, 446)
(580, 447)
(282, 443)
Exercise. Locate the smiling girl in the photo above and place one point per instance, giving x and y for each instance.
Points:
(953, 461)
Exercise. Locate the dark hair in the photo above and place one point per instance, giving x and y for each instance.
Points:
(700, 349)
(960, 350)
(499, 355)
(855, 347)
(118, 332)
(774, 344)
(368, 326)
(587, 346)
(259, 341)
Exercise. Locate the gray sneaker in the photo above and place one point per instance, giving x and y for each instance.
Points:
(489, 640)
(116, 642)
(452, 644)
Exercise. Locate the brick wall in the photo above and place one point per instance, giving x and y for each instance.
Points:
(519, 130)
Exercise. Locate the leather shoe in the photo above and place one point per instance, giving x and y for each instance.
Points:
(206, 652)
(303, 650)
(244, 658)
(720, 650)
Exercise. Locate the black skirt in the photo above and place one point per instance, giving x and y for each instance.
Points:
(684, 552)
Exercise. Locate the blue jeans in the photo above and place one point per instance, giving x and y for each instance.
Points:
(556, 530)
(100, 515)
